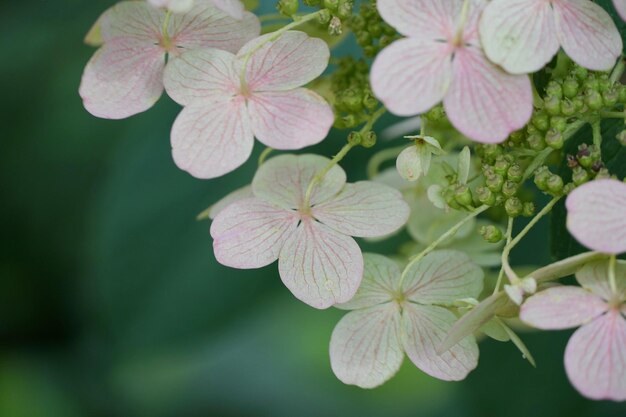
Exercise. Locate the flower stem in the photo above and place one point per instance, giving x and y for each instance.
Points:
(612, 115)
(266, 152)
(612, 280)
(320, 176)
(597, 134)
(618, 71)
(509, 235)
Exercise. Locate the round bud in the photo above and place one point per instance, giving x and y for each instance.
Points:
(513, 207)
(491, 234)
(552, 104)
(485, 196)
(515, 173)
(559, 123)
(369, 101)
(463, 196)
(570, 87)
(501, 165)
(554, 139)
(332, 5)
(495, 182)
(580, 73)
(536, 142)
(509, 188)
(580, 176)
(541, 121)
(541, 178)
(555, 184)
(593, 99)
(554, 89)
(355, 138)
(604, 83)
(568, 108)
(528, 210)
(287, 7)
(610, 97)
(369, 140)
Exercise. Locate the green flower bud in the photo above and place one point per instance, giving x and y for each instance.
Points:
(604, 83)
(509, 188)
(603, 174)
(580, 176)
(591, 83)
(369, 140)
(541, 178)
(580, 73)
(485, 196)
(502, 165)
(536, 142)
(541, 121)
(348, 121)
(357, 22)
(435, 114)
(568, 108)
(552, 104)
(332, 5)
(555, 184)
(621, 93)
(554, 89)
(463, 196)
(513, 207)
(495, 182)
(579, 104)
(369, 101)
(559, 123)
(554, 139)
(491, 234)
(517, 137)
(515, 173)
(610, 97)
(335, 27)
(287, 7)
(570, 87)
(352, 100)
(355, 138)
(529, 209)
(344, 10)
(593, 99)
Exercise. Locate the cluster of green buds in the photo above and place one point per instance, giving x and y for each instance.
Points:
(372, 33)
(353, 99)
(587, 164)
(550, 183)
(334, 13)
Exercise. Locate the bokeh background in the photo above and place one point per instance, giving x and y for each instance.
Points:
(112, 304)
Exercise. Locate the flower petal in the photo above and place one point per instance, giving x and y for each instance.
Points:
(250, 233)
(428, 223)
(175, 6)
(443, 277)
(233, 8)
(283, 180)
(365, 347)
(409, 164)
(364, 209)
(425, 19)
(595, 215)
(519, 35)
(484, 102)
(594, 277)
(620, 6)
(410, 76)
(320, 266)
(587, 34)
(288, 62)
(238, 194)
(595, 358)
(211, 139)
(290, 119)
(562, 308)
(426, 328)
(132, 19)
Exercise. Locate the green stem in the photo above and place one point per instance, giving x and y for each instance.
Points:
(612, 114)
(618, 71)
(612, 280)
(509, 235)
(597, 133)
(320, 176)
(266, 152)
(274, 16)
(564, 267)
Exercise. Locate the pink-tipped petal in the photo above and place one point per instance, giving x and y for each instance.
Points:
(320, 266)
(250, 233)
(132, 19)
(366, 348)
(620, 6)
(594, 277)
(212, 138)
(292, 119)
(425, 19)
(562, 308)
(284, 180)
(411, 76)
(595, 358)
(595, 215)
(519, 35)
(288, 62)
(484, 102)
(234, 8)
(587, 34)
(364, 209)
(426, 328)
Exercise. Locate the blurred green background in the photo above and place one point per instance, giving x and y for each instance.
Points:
(112, 304)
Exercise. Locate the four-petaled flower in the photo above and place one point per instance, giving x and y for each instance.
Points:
(234, 8)
(317, 259)
(442, 59)
(125, 76)
(230, 99)
(595, 357)
(391, 317)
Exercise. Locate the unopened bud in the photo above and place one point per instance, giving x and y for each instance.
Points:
(369, 140)
(580, 176)
(334, 27)
(513, 207)
(555, 184)
(491, 234)
(515, 173)
(554, 139)
(485, 196)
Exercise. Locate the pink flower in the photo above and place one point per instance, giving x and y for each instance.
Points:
(442, 59)
(317, 259)
(595, 357)
(125, 76)
(391, 317)
(620, 6)
(524, 35)
(596, 215)
(234, 8)
(226, 108)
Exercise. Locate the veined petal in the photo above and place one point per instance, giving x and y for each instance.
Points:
(320, 266)
(291, 119)
(562, 308)
(366, 348)
(484, 102)
(594, 277)
(175, 6)
(595, 358)
(132, 19)
(587, 34)
(409, 164)
(424, 19)
(233, 8)
(212, 138)
(288, 62)
(410, 76)
(364, 209)
(250, 233)
(595, 215)
(519, 35)
(426, 327)
(620, 6)
(238, 194)
(123, 78)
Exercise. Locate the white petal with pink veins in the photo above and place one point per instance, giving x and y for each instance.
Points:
(595, 278)
(291, 119)
(234, 8)
(595, 358)
(424, 19)
(484, 102)
(587, 34)
(320, 266)
(596, 215)
(410, 76)
(132, 19)
(176, 6)
(366, 347)
(620, 6)
(212, 138)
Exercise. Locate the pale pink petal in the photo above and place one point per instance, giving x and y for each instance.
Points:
(364, 209)
(212, 138)
(290, 119)
(284, 180)
(366, 348)
(424, 19)
(250, 233)
(410, 76)
(443, 277)
(123, 78)
(426, 327)
(562, 308)
(234, 8)
(320, 266)
(176, 6)
(587, 34)
(471, 35)
(595, 278)
(484, 102)
(595, 358)
(620, 6)
(519, 35)
(132, 19)
(290, 61)
(595, 215)
(238, 194)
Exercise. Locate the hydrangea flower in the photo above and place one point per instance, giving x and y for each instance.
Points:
(414, 161)
(225, 109)
(125, 76)
(595, 215)
(524, 35)
(595, 357)
(234, 8)
(390, 318)
(318, 260)
(442, 59)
